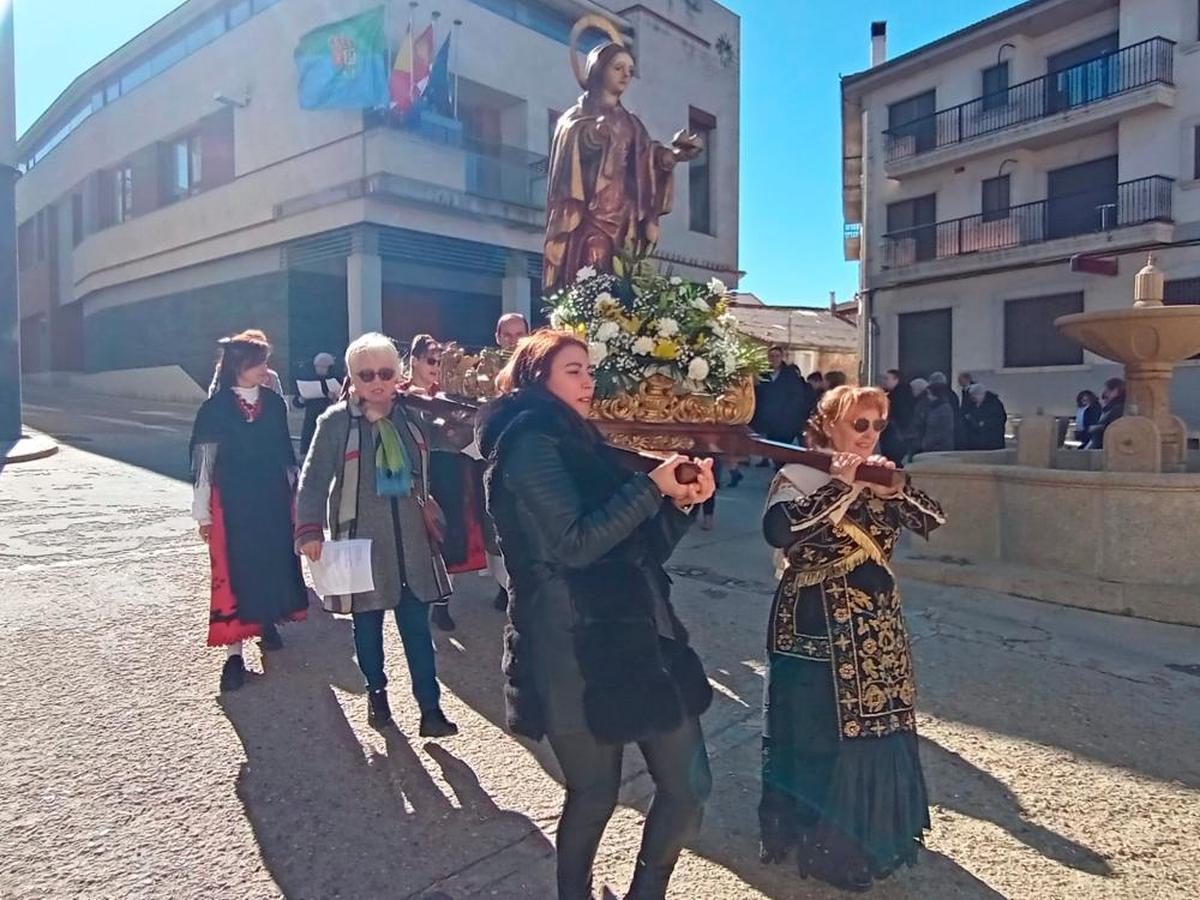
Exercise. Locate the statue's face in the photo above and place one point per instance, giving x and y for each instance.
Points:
(618, 74)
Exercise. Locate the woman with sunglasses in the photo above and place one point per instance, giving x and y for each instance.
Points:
(594, 656)
(367, 476)
(842, 782)
(455, 480)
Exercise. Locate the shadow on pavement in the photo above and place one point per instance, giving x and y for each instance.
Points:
(729, 837)
(338, 816)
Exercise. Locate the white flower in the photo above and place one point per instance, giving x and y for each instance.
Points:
(717, 288)
(597, 353)
(584, 274)
(698, 369)
(556, 320)
(731, 363)
(676, 281)
(667, 328)
(643, 346)
(607, 331)
(701, 304)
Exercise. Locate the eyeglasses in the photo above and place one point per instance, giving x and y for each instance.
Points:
(863, 425)
(433, 360)
(366, 376)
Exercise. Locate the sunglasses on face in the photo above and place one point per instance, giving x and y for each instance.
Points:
(863, 425)
(366, 376)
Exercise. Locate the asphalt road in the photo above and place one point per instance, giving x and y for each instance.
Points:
(1060, 745)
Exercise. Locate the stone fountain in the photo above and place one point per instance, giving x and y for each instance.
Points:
(1111, 530)
(1149, 339)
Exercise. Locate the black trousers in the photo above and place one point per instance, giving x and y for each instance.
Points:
(678, 763)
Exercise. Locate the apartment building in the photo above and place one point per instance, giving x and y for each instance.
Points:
(177, 192)
(978, 166)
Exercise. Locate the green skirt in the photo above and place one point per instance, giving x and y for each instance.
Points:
(846, 805)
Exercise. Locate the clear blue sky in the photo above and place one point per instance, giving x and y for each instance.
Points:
(792, 54)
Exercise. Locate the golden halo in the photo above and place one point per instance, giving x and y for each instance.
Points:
(590, 21)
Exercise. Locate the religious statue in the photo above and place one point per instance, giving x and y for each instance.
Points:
(609, 182)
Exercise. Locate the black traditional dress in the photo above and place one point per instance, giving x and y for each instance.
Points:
(243, 462)
(842, 781)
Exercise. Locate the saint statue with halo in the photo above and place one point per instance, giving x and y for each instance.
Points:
(609, 182)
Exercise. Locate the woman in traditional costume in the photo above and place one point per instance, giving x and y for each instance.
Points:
(455, 480)
(595, 657)
(842, 781)
(609, 183)
(367, 476)
(244, 472)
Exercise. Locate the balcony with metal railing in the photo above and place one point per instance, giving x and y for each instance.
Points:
(1070, 102)
(1106, 216)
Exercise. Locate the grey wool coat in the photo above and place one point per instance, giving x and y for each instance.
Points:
(401, 550)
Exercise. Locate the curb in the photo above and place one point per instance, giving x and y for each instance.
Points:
(28, 448)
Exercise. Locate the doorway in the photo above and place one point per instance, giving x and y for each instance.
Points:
(1081, 199)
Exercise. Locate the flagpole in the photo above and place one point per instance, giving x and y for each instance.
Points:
(454, 53)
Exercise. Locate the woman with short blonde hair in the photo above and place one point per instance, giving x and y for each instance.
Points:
(842, 782)
(367, 476)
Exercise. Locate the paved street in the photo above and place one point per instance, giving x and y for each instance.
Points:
(1060, 745)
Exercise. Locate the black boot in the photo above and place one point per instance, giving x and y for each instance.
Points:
(233, 675)
(501, 601)
(434, 724)
(270, 638)
(379, 712)
(440, 617)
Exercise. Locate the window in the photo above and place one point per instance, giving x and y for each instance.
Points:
(925, 343)
(185, 162)
(77, 226)
(995, 199)
(1030, 338)
(913, 222)
(995, 86)
(40, 219)
(915, 119)
(700, 190)
(25, 244)
(123, 194)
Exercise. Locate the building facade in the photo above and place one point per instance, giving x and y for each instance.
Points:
(176, 192)
(977, 167)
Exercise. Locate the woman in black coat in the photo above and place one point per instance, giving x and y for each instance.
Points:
(985, 418)
(1087, 414)
(594, 656)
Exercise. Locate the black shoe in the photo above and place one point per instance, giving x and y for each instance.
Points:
(233, 675)
(434, 724)
(440, 617)
(501, 601)
(379, 713)
(735, 478)
(270, 639)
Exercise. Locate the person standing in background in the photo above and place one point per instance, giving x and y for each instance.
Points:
(984, 418)
(816, 381)
(938, 381)
(835, 379)
(322, 369)
(897, 437)
(965, 380)
(244, 474)
(783, 401)
(1113, 400)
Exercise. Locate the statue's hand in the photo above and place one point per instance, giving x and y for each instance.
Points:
(686, 146)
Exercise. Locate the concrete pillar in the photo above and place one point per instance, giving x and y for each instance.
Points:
(364, 293)
(516, 291)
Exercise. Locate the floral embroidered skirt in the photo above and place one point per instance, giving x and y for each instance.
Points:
(857, 804)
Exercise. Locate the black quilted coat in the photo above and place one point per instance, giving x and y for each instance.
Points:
(592, 641)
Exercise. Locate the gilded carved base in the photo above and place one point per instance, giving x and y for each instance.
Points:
(655, 400)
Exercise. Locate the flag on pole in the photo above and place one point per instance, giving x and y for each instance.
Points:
(410, 74)
(344, 65)
(437, 96)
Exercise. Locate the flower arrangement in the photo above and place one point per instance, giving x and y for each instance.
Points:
(639, 323)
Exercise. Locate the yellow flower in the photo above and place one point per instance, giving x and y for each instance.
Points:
(630, 324)
(665, 349)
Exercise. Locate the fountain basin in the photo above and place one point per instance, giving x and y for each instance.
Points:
(1119, 542)
(1152, 334)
